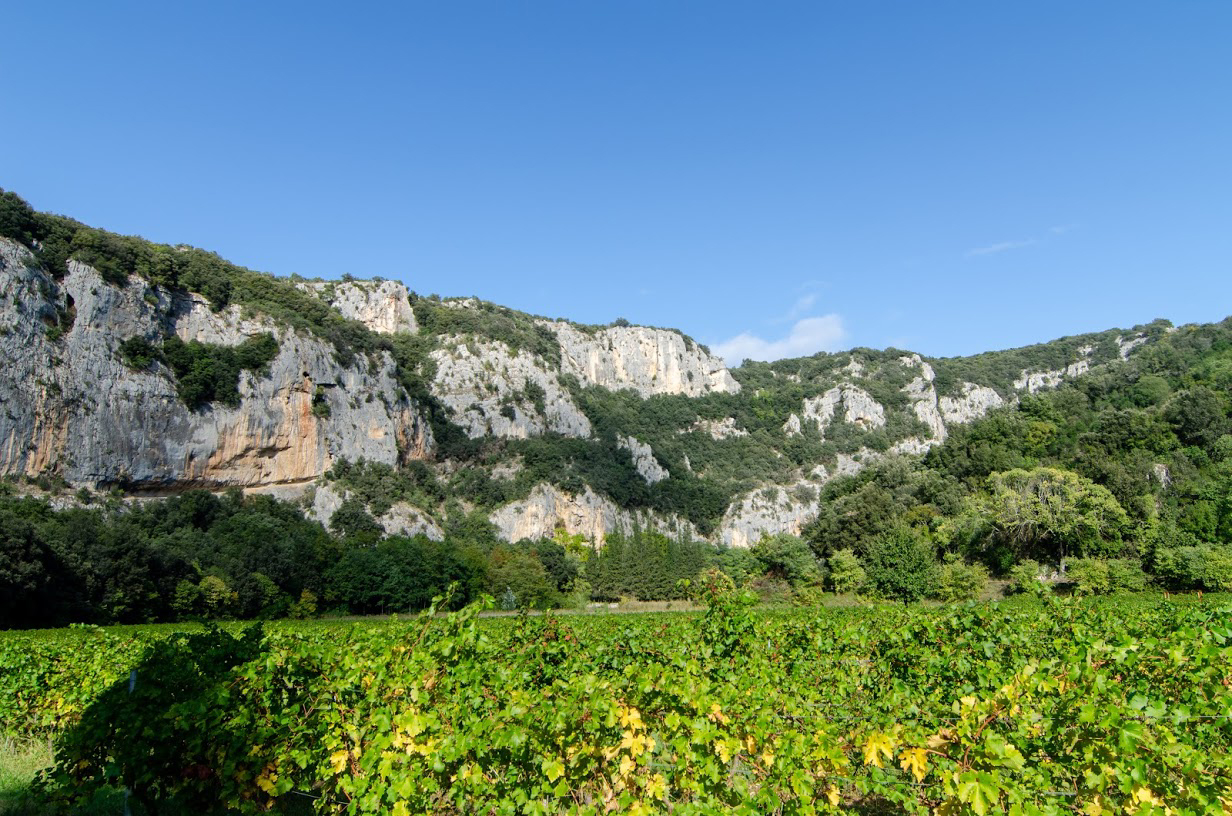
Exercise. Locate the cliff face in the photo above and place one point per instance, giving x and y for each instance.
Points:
(490, 390)
(382, 306)
(685, 435)
(650, 361)
(71, 405)
(588, 513)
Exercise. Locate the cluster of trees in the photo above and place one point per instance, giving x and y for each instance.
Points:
(204, 372)
(515, 329)
(196, 555)
(206, 556)
(1117, 478)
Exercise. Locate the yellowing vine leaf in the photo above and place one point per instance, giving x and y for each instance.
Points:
(338, 761)
(879, 746)
(915, 760)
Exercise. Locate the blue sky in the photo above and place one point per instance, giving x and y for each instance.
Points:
(772, 178)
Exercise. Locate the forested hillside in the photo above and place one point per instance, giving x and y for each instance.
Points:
(352, 446)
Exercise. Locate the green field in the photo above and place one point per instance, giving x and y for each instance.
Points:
(1114, 705)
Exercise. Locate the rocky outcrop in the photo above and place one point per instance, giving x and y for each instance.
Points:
(769, 511)
(72, 407)
(859, 408)
(491, 390)
(643, 459)
(406, 520)
(923, 396)
(649, 361)
(382, 306)
(588, 514)
(1032, 381)
(975, 402)
(1126, 346)
(717, 429)
(400, 519)
(775, 509)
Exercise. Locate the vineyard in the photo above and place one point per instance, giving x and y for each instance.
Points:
(1033, 707)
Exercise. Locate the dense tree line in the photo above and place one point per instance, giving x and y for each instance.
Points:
(206, 556)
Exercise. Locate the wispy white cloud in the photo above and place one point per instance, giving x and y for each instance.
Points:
(802, 305)
(808, 336)
(798, 309)
(1004, 246)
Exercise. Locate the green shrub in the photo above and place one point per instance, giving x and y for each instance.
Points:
(846, 573)
(787, 558)
(901, 565)
(958, 581)
(208, 373)
(1025, 578)
(1089, 576)
(1098, 576)
(320, 406)
(1195, 566)
(139, 353)
(808, 596)
(1126, 575)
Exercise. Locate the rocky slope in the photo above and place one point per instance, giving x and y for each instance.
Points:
(537, 424)
(72, 407)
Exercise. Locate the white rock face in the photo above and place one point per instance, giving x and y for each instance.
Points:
(785, 509)
(406, 520)
(912, 446)
(483, 383)
(644, 459)
(589, 514)
(650, 361)
(1125, 347)
(401, 519)
(229, 327)
(326, 499)
(976, 401)
(717, 428)
(923, 396)
(858, 405)
(820, 410)
(792, 426)
(384, 307)
(862, 409)
(508, 470)
(73, 407)
(1032, 381)
(769, 511)
(851, 464)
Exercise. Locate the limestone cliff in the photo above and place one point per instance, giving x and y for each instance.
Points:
(650, 361)
(768, 511)
(383, 306)
(587, 513)
(71, 406)
(491, 390)
(644, 459)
